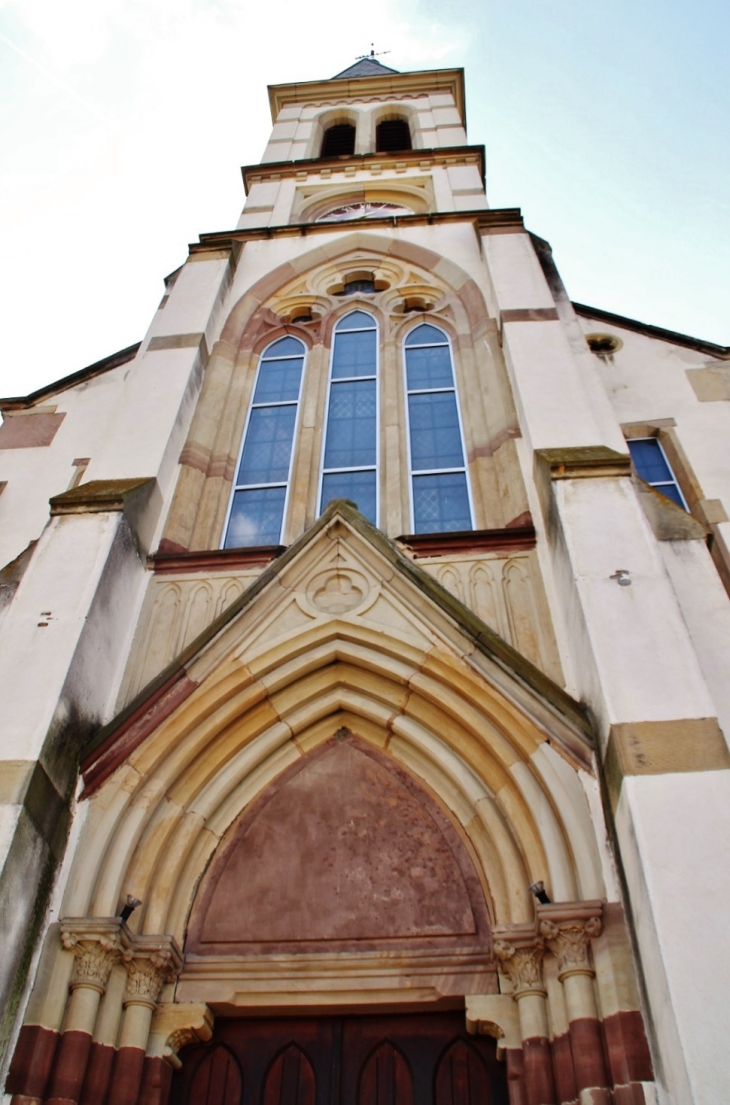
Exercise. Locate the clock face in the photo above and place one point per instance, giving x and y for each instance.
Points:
(362, 210)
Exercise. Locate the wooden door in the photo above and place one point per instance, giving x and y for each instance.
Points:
(414, 1059)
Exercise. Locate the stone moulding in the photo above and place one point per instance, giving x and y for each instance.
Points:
(101, 496)
(583, 462)
(511, 539)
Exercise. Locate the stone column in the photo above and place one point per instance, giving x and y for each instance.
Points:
(520, 955)
(152, 962)
(567, 929)
(97, 943)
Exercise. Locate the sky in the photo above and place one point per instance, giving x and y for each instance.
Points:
(124, 124)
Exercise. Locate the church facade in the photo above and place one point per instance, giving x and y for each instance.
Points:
(365, 651)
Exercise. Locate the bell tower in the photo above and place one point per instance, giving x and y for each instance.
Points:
(368, 143)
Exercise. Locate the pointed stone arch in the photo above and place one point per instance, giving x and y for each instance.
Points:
(499, 749)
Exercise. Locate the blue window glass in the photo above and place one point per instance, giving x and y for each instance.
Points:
(267, 451)
(354, 354)
(258, 501)
(441, 503)
(440, 491)
(349, 466)
(652, 465)
(359, 487)
(351, 425)
(435, 432)
(255, 517)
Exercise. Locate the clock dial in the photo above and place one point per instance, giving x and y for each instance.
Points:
(362, 210)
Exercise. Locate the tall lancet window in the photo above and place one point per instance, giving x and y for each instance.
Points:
(258, 502)
(350, 462)
(440, 489)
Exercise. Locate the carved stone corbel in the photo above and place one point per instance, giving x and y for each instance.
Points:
(175, 1026)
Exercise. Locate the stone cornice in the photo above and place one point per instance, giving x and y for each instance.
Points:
(507, 219)
(584, 462)
(385, 162)
(343, 89)
(100, 496)
(511, 539)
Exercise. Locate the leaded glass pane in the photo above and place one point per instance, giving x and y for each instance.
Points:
(429, 367)
(351, 425)
(285, 347)
(355, 354)
(356, 320)
(279, 381)
(435, 433)
(359, 487)
(649, 461)
(256, 517)
(267, 451)
(441, 503)
(426, 335)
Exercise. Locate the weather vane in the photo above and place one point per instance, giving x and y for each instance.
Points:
(372, 53)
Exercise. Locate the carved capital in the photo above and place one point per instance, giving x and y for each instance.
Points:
(97, 943)
(567, 929)
(150, 963)
(519, 954)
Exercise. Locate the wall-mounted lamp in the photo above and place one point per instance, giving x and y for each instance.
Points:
(130, 907)
(538, 889)
(622, 577)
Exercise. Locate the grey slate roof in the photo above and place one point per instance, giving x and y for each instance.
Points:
(365, 67)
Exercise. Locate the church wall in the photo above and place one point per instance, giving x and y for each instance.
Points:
(33, 473)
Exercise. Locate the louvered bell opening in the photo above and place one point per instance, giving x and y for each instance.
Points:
(392, 135)
(339, 141)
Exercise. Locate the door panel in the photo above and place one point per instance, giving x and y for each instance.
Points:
(217, 1080)
(461, 1078)
(290, 1080)
(385, 1078)
(415, 1059)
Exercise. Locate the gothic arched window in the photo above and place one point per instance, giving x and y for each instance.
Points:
(350, 459)
(259, 496)
(440, 498)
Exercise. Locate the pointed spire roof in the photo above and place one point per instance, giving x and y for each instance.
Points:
(364, 67)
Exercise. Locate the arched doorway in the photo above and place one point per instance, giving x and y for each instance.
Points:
(345, 866)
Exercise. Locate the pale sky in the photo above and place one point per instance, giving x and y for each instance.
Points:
(125, 123)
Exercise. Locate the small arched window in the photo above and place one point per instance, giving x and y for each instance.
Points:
(350, 459)
(339, 140)
(392, 135)
(258, 501)
(439, 485)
